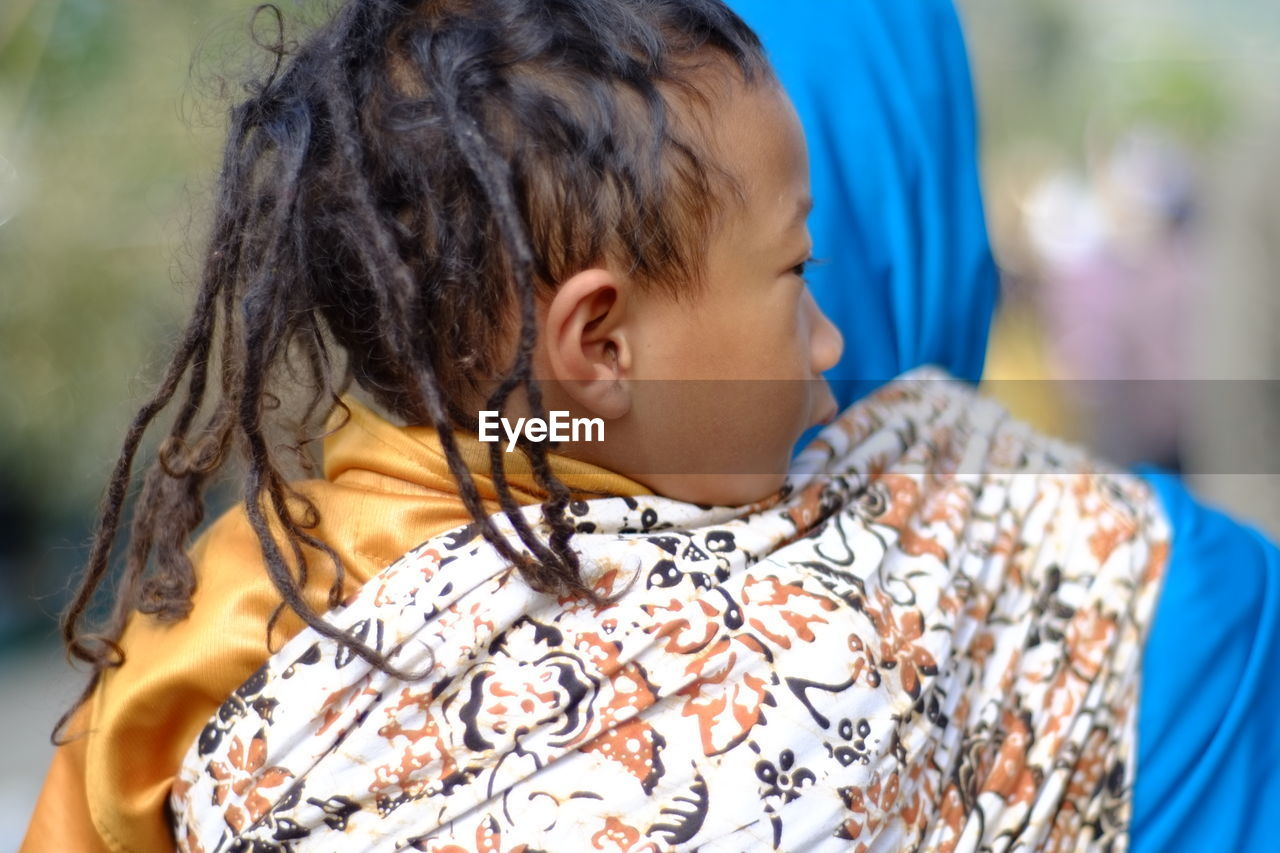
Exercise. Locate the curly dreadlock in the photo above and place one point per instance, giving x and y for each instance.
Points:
(412, 171)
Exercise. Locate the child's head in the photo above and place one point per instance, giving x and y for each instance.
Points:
(429, 196)
(631, 167)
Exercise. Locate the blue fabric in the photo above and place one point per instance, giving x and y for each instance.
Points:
(905, 269)
(1209, 715)
(883, 90)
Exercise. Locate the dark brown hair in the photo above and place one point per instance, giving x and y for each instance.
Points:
(406, 177)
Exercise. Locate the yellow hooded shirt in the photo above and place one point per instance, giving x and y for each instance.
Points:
(385, 490)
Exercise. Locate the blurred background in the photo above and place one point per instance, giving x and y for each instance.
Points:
(1132, 194)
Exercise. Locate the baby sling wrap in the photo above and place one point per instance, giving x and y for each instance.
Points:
(930, 641)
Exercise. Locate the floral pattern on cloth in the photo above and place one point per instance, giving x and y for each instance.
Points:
(930, 640)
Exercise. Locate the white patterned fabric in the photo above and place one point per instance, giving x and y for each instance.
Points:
(930, 641)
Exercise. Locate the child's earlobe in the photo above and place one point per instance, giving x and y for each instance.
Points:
(600, 388)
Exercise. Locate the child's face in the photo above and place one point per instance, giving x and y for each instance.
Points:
(752, 337)
(755, 328)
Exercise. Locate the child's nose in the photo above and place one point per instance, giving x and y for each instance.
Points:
(826, 344)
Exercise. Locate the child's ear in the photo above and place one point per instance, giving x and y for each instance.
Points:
(586, 335)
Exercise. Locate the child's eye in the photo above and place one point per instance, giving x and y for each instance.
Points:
(801, 268)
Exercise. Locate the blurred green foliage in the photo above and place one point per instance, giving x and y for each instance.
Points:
(96, 207)
(1049, 71)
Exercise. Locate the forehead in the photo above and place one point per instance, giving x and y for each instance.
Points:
(753, 134)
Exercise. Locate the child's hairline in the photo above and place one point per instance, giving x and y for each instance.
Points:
(689, 102)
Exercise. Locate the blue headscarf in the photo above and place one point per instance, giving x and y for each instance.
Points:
(883, 91)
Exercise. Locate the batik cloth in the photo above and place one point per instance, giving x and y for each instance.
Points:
(931, 640)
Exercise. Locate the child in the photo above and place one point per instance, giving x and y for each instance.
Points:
(443, 192)
(576, 198)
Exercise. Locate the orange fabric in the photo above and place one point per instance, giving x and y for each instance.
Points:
(386, 489)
